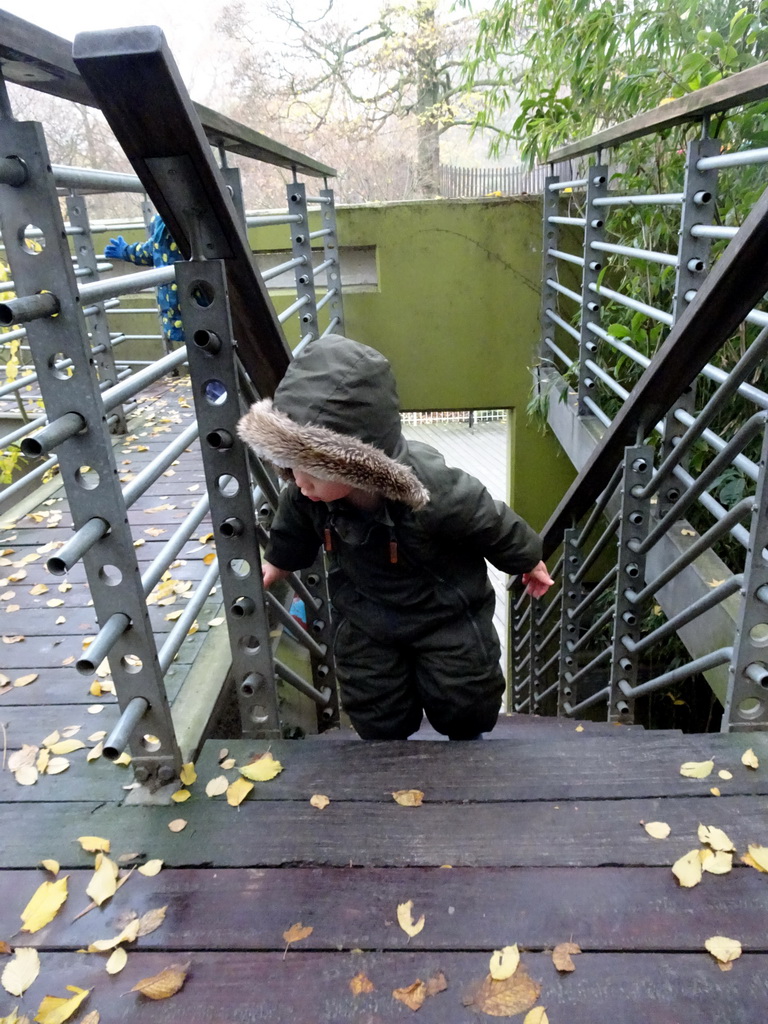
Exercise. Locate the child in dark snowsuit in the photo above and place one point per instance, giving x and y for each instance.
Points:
(406, 540)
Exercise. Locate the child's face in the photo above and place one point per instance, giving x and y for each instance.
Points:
(320, 490)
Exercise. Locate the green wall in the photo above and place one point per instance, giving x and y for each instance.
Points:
(457, 313)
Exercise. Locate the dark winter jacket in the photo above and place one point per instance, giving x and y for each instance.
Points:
(416, 562)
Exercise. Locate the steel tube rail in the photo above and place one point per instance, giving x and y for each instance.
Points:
(593, 595)
(628, 250)
(154, 572)
(588, 702)
(321, 267)
(607, 379)
(325, 299)
(281, 268)
(51, 436)
(567, 257)
(558, 352)
(562, 323)
(126, 284)
(521, 665)
(13, 335)
(267, 220)
(538, 697)
(182, 625)
(548, 638)
(143, 480)
(320, 697)
(712, 506)
(305, 340)
(299, 634)
(28, 307)
(34, 474)
(597, 550)
(755, 316)
(293, 308)
(703, 604)
(99, 649)
(88, 535)
(600, 659)
(323, 200)
(620, 346)
(741, 462)
(600, 505)
(321, 233)
(738, 442)
(30, 378)
(546, 667)
(120, 392)
(639, 307)
(748, 391)
(739, 158)
(597, 411)
(709, 661)
(576, 222)
(118, 739)
(558, 186)
(594, 629)
(87, 178)
(22, 431)
(705, 541)
(661, 199)
(713, 231)
(294, 580)
(330, 328)
(563, 290)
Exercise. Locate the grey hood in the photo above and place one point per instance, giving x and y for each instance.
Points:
(336, 415)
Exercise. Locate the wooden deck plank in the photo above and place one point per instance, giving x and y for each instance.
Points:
(589, 833)
(313, 988)
(602, 909)
(551, 770)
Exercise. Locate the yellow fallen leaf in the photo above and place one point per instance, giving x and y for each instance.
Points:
(538, 1015)
(129, 934)
(56, 1010)
(749, 758)
(715, 837)
(297, 932)
(94, 844)
(361, 984)
(25, 680)
(656, 829)
(405, 919)
(319, 801)
(151, 921)
(715, 791)
(50, 739)
(413, 995)
(562, 953)
(164, 984)
(95, 752)
(151, 868)
(91, 1018)
(725, 774)
(177, 825)
(408, 797)
(38, 589)
(180, 796)
(238, 791)
(217, 786)
(697, 769)
(20, 972)
(67, 746)
(579, 728)
(23, 758)
(117, 960)
(188, 775)
(51, 865)
(95, 690)
(437, 983)
(43, 760)
(209, 558)
(687, 869)
(27, 775)
(716, 863)
(503, 998)
(758, 857)
(124, 759)
(45, 904)
(103, 884)
(57, 765)
(55, 602)
(723, 949)
(262, 769)
(504, 962)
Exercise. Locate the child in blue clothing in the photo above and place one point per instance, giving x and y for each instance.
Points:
(158, 251)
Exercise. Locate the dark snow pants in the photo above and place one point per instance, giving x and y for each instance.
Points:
(451, 674)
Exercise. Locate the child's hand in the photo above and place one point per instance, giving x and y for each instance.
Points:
(271, 574)
(537, 581)
(115, 248)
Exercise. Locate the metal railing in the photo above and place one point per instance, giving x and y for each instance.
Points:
(84, 393)
(664, 532)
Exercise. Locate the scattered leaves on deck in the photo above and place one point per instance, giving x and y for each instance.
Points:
(405, 919)
(319, 800)
(297, 932)
(238, 791)
(504, 962)
(57, 1009)
(724, 950)
(687, 869)
(561, 956)
(715, 837)
(261, 769)
(103, 885)
(117, 961)
(408, 797)
(361, 984)
(503, 998)
(22, 970)
(656, 829)
(697, 769)
(177, 825)
(538, 1015)
(45, 904)
(164, 984)
(94, 844)
(756, 857)
(217, 786)
(749, 758)
(413, 995)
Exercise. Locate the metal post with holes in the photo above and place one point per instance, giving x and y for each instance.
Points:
(320, 627)
(699, 201)
(331, 252)
(570, 622)
(86, 458)
(537, 680)
(301, 248)
(634, 523)
(203, 298)
(551, 202)
(520, 653)
(746, 703)
(85, 256)
(594, 231)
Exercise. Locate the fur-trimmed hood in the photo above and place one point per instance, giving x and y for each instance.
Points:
(336, 415)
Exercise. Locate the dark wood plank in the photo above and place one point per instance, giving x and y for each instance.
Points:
(271, 834)
(81, 782)
(602, 909)
(313, 988)
(544, 769)
(64, 685)
(25, 725)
